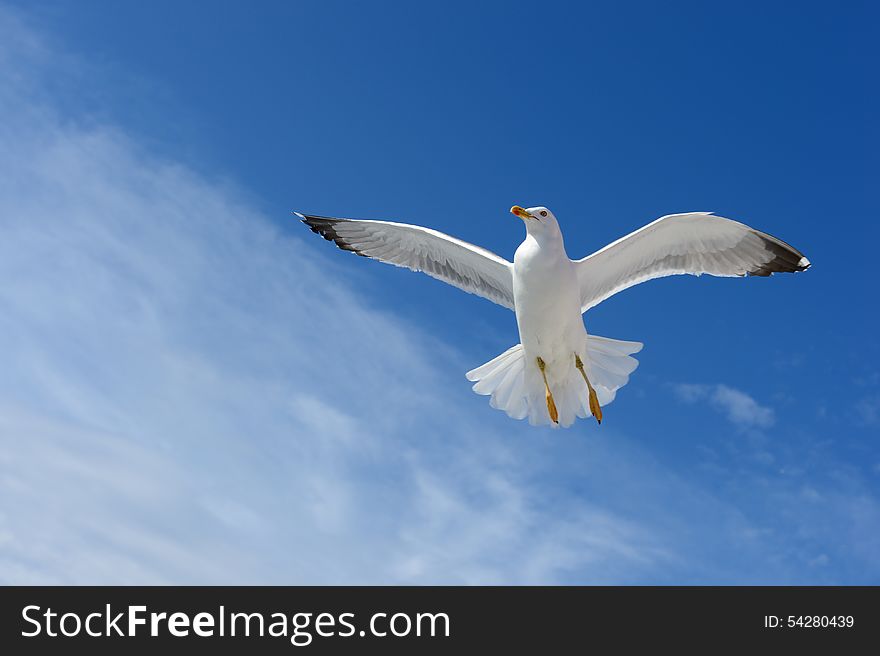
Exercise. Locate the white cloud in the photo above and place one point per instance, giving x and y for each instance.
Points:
(691, 392)
(740, 409)
(189, 394)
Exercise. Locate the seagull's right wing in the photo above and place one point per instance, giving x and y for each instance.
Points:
(463, 265)
(694, 243)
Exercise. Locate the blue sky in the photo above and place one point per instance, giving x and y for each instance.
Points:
(197, 390)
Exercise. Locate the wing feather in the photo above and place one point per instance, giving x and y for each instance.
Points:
(456, 262)
(693, 243)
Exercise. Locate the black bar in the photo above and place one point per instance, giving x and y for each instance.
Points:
(498, 619)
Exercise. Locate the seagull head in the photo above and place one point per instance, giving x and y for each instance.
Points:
(539, 221)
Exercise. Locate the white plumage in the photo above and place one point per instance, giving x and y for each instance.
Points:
(468, 267)
(695, 243)
(549, 292)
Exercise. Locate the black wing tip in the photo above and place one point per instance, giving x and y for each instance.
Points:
(326, 227)
(785, 258)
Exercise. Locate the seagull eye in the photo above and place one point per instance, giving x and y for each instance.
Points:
(543, 213)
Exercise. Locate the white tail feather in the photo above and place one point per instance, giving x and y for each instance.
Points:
(520, 391)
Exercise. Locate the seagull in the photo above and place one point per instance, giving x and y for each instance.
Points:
(558, 372)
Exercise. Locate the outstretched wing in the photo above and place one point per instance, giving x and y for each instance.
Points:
(695, 243)
(463, 265)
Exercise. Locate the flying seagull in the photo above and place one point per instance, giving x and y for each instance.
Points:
(558, 371)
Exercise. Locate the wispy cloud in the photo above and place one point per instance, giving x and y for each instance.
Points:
(868, 410)
(740, 409)
(189, 394)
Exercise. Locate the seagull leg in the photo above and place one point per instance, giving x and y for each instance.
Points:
(595, 408)
(551, 404)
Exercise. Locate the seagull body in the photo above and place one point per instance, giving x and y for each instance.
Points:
(547, 306)
(558, 371)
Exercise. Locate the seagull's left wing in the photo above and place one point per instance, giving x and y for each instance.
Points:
(468, 267)
(694, 243)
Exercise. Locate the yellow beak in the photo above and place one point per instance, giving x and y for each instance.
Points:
(516, 210)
